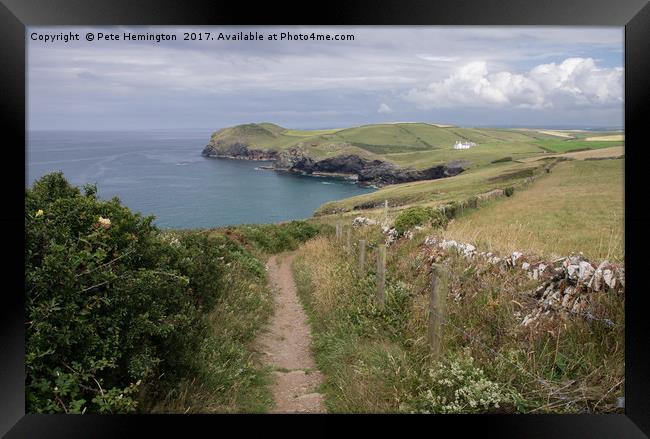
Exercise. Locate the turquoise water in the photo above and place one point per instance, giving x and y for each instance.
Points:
(163, 173)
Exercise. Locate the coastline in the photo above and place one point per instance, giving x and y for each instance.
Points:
(367, 172)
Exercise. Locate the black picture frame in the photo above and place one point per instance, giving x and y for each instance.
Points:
(15, 15)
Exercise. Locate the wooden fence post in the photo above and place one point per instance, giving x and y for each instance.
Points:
(381, 274)
(338, 231)
(362, 255)
(348, 243)
(385, 210)
(437, 309)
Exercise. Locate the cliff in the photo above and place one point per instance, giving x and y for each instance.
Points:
(297, 159)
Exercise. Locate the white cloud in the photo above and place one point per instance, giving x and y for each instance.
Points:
(225, 81)
(575, 82)
(438, 58)
(384, 108)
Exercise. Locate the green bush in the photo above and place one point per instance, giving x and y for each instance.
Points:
(122, 317)
(450, 209)
(411, 217)
(509, 191)
(417, 216)
(112, 304)
(275, 238)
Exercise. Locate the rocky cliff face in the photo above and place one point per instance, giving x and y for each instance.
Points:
(375, 172)
(237, 150)
(367, 171)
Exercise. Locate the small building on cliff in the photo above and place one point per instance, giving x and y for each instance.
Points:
(463, 144)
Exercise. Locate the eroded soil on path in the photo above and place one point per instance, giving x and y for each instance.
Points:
(285, 345)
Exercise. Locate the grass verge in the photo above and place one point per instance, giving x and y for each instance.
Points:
(376, 358)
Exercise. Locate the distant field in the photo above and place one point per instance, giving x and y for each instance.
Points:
(478, 156)
(419, 145)
(611, 152)
(577, 207)
(310, 133)
(572, 145)
(433, 192)
(555, 133)
(611, 138)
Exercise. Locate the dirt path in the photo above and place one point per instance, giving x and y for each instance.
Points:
(285, 345)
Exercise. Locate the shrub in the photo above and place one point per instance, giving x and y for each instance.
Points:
(275, 238)
(122, 316)
(509, 191)
(111, 303)
(450, 210)
(458, 386)
(416, 216)
(411, 217)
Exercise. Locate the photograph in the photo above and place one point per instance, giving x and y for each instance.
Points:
(238, 216)
(342, 219)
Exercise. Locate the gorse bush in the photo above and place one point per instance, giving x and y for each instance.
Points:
(119, 313)
(418, 215)
(110, 305)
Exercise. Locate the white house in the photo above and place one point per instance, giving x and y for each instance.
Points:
(463, 144)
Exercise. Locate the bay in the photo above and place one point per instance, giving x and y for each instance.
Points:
(162, 173)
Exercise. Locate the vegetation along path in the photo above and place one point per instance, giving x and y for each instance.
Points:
(285, 345)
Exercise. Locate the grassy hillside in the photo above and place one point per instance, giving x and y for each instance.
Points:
(577, 207)
(574, 144)
(441, 191)
(416, 145)
(563, 194)
(376, 358)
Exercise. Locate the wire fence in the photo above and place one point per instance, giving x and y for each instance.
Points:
(546, 383)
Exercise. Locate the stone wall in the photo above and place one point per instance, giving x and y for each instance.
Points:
(566, 285)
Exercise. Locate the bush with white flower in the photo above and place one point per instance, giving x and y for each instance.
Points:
(458, 386)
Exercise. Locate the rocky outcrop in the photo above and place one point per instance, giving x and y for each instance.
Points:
(370, 172)
(376, 172)
(237, 150)
(361, 221)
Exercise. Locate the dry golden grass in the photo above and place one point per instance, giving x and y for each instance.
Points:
(614, 151)
(576, 208)
(555, 133)
(328, 277)
(610, 138)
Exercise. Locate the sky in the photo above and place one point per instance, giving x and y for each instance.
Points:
(468, 76)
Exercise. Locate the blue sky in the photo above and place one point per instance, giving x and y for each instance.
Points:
(469, 76)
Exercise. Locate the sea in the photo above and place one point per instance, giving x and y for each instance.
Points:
(163, 173)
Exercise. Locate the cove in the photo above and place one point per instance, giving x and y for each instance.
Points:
(162, 173)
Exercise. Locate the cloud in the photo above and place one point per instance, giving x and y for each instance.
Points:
(112, 83)
(384, 108)
(575, 82)
(438, 58)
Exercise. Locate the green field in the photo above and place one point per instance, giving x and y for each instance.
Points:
(573, 145)
(413, 145)
(441, 191)
(578, 207)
